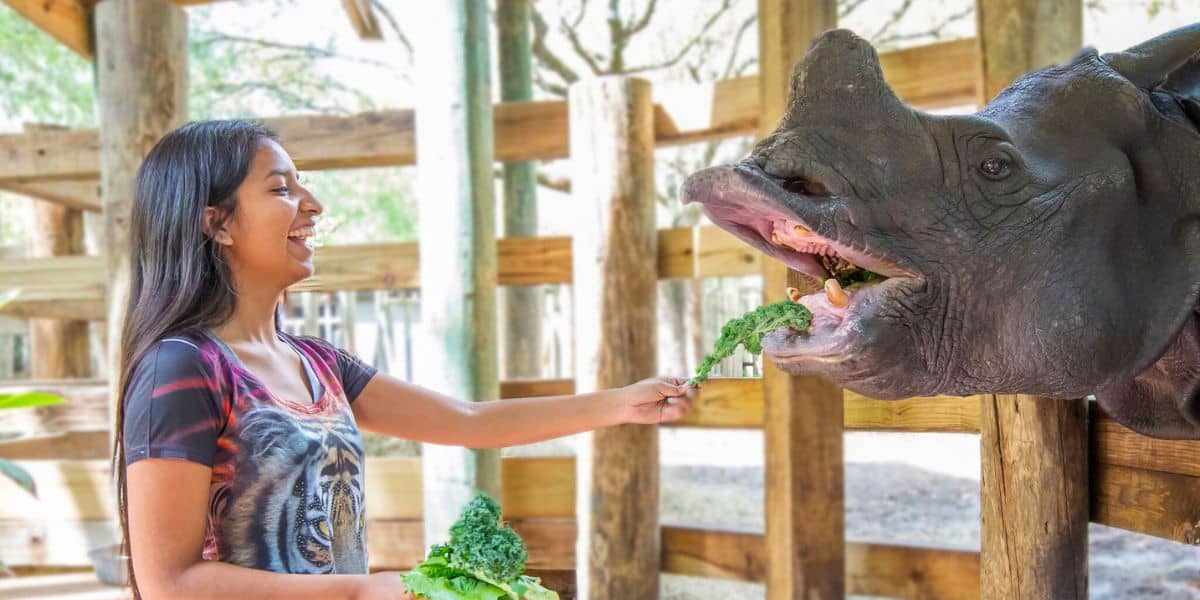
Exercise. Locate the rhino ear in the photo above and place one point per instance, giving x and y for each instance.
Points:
(1154, 61)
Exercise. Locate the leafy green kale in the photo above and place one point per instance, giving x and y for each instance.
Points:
(484, 560)
(749, 329)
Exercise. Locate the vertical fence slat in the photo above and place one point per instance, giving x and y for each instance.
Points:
(1034, 505)
(805, 511)
(615, 290)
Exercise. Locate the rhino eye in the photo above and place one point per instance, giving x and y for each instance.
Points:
(995, 167)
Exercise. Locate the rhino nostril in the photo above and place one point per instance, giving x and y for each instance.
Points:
(805, 187)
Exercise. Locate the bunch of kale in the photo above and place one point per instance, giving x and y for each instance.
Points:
(484, 560)
(749, 329)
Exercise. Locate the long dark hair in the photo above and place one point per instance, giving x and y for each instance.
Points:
(179, 280)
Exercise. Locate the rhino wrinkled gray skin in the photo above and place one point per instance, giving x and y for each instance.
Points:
(1048, 244)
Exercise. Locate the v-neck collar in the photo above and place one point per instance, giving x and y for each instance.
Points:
(314, 383)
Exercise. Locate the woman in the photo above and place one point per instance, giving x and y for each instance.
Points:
(239, 457)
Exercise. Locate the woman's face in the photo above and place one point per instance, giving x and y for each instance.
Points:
(267, 237)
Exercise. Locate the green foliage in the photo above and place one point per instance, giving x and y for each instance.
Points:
(41, 80)
(749, 329)
(484, 560)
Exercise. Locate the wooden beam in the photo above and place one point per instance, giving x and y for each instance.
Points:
(458, 259)
(60, 347)
(931, 76)
(871, 569)
(82, 194)
(615, 292)
(1034, 505)
(68, 21)
(1034, 497)
(362, 18)
(804, 416)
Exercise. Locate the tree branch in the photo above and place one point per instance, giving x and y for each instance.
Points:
(544, 55)
(712, 19)
(394, 24)
(215, 37)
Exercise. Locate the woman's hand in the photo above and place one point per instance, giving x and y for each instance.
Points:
(383, 586)
(656, 400)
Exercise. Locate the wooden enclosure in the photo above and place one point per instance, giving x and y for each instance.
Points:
(1096, 469)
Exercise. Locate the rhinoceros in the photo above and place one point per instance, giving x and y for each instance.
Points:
(1048, 244)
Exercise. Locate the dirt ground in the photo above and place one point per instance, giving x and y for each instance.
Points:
(902, 504)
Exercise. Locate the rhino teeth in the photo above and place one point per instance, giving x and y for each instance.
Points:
(837, 296)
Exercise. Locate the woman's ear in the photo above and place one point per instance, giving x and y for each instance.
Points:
(217, 233)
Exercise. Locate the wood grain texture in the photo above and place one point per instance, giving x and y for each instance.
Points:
(615, 292)
(933, 76)
(1034, 505)
(871, 569)
(804, 416)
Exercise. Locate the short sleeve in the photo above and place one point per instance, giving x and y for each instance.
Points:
(173, 406)
(355, 373)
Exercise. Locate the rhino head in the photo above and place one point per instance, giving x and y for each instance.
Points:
(1048, 244)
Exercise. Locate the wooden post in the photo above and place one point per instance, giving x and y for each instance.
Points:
(805, 507)
(615, 289)
(457, 244)
(58, 348)
(1034, 507)
(522, 304)
(141, 76)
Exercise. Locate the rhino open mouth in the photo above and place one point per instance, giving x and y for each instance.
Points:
(853, 285)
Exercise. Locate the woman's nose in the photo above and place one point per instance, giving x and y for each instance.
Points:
(309, 203)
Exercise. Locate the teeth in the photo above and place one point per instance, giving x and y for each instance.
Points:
(775, 238)
(303, 232)
(837, 296)
(793, 294)
(801, 230)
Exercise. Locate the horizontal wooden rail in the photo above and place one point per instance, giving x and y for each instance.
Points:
(931, 76)
(1139, 484)
(74, 286)
(871, 569)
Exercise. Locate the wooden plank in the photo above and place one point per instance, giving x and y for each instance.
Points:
(1034, 505)
(87, 444)
(871, 569)
(60, 347)
(532, 487)
(1019, 36)
(82, 194)
(362, 18)
(1114, 444)
(85, 407)
(937, 75)
(931, 76)
(530, 388)
(804, 416)
(396, 544)
(734, 402)
(1034, 497)
(63, 586)
(67, 21)
(615, 294)
(947, 414)
(1165, 505)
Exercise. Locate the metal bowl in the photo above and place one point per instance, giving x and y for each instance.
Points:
(112, 567)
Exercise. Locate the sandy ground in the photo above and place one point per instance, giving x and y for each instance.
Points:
(931, 498)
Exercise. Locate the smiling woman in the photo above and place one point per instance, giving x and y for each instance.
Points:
(243, 441)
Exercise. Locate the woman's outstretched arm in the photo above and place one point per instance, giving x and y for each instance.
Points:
(168, 510)
(390, 406)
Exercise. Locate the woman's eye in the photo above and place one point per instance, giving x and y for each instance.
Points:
(995, 167)
(281, 190)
